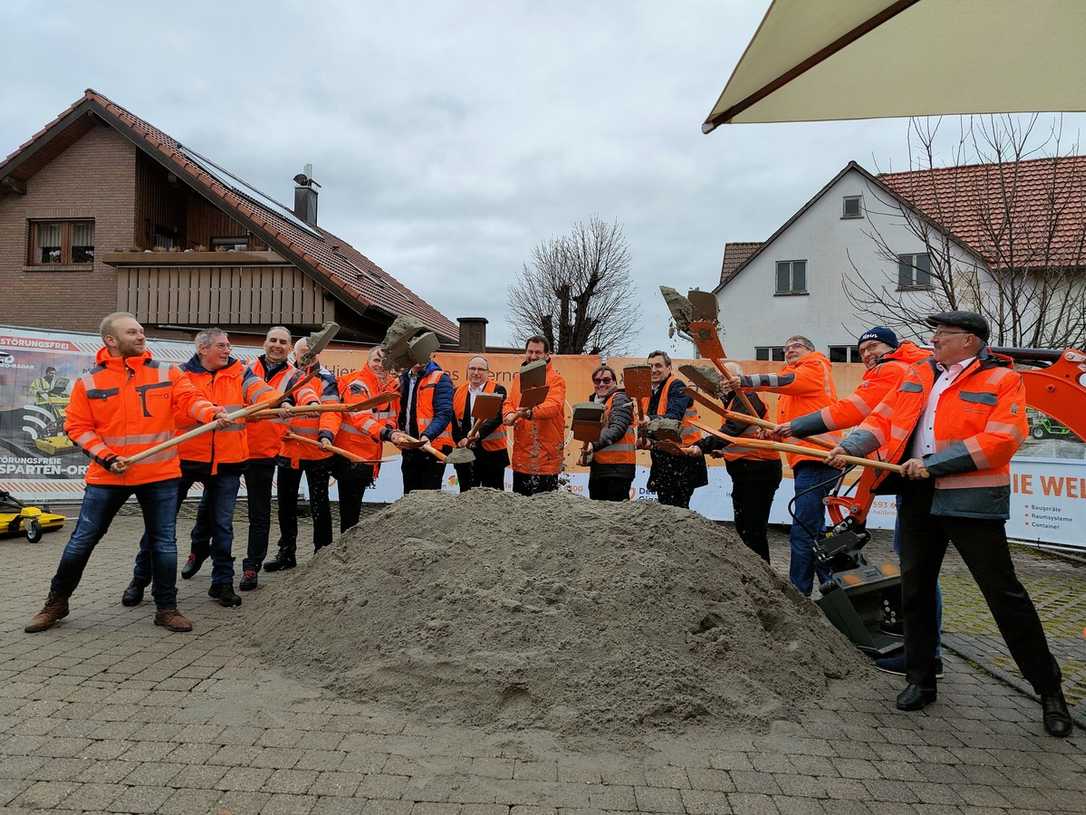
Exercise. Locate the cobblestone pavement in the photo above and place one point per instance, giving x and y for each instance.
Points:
(108, 713)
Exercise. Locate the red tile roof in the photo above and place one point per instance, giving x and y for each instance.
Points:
(1024, 215)
(342, 268)
(735, 255)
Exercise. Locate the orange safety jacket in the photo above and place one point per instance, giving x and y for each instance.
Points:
(734, 427)
(496, 439)
(979, 423)
(880, 379)
(265, 436)
(324, 389)
(359, 433)
(804, 386)
(539, 442)
(688, 432)
(229, 388)
(624, 449)
(125, 405)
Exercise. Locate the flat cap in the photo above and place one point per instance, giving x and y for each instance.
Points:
(965, 320)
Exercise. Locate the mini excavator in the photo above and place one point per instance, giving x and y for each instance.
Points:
(863, 599)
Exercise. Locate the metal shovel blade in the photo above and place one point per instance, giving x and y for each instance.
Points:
(681, 310)
(704, 376)
(317, 342)
(637, 380)
(460, 455)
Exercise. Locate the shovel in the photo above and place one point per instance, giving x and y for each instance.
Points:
(379, 400)
(485, 407)
(317, 342)
(426, 447)
(347, 454)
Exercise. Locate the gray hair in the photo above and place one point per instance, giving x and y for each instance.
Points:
(804, 341)
(282, 328)
(105, 328)
(479, 356)
(208, 336)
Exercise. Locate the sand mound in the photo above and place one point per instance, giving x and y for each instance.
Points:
(554, 611)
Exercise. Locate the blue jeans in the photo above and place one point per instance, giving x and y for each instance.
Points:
(215, 520)
(938, 588)
(813, 482)
(158, 501)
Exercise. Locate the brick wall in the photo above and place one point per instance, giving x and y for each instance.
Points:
(94, 178)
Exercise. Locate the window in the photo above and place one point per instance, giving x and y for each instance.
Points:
(766, 353)
(791, 277)
(852, 206)
(914, 271)
(235, 244)
(844, 353)
(61, 243)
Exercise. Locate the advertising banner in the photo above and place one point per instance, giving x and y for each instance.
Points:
(39, 463)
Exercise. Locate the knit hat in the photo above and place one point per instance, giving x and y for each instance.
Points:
(880, 333)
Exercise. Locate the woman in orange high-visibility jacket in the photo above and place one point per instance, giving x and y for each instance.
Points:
(804, 385)
(216, 460)
(124, 405)
(954, 422)
(539, 433)
(359, 433)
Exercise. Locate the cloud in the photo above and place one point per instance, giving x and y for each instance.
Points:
(451, 138)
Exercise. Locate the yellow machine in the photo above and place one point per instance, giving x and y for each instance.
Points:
(16, 518)
(53, 398)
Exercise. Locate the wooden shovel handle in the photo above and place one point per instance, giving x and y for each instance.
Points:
(192, 434)
(429, 448)
(784, 447)
(724, 413)
(347, 454)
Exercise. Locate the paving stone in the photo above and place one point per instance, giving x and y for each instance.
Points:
(749, 781)
(296, 782)
(97, 796)
(190, 800)
(337, 806)
(787, 805)
(153, 774)
(657, 799)
(705, 802)
(289, 805)
(379, 785)
(245, 779)
(432, 808)
(11, 788)
(45, 794)
(702, 779)
(139, 799)
(612, 797)
(747, 803)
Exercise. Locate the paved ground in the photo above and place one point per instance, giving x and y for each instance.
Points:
(108, 713)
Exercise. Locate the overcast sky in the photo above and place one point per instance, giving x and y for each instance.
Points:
(451, 138)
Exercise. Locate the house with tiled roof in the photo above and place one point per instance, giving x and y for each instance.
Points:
(886, 238)
(101, 211)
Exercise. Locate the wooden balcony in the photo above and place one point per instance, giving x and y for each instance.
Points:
(217, 288)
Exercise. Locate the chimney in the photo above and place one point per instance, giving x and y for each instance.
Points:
(305, 196)
(472, 334)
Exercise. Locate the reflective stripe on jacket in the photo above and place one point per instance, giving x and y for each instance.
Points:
(879, 380)
(979, 423)
(621, 420)
(539, 443)
(265, 436)
(360, 432)
(121, 407)
(323, 389)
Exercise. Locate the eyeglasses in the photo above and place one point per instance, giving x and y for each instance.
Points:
(477, 370)
(793, 345)
(603, 380)
(941, 333)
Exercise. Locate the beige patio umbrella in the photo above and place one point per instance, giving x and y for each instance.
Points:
(815, 60)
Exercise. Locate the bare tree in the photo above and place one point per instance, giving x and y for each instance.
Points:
(577, 292)
(1003, 232)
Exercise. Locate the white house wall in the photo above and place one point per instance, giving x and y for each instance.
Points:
(753, 315)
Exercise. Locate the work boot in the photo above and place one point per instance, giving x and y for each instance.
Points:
(224, 594)
(915, 697)
(133, 595)
(192, 566)
(54, 610)
(172, 620)
(1056, 718)
(248, 580)
(283, 561)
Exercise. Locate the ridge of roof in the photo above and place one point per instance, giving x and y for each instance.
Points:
(370, 286)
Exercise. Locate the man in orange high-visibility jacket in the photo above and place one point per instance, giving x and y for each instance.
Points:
(426, 414)
(673, 478)
(489, 442)
(126, 404)
(539, 433)
(954, 422)
(215, 460)
(297, 459)
(804, 385)
(359, 433)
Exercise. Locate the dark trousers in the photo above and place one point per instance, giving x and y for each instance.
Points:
(353, 479)
(212, 533)
(317, 473)
(526, 484)
(609, 488)
(982, 543)
(421, 471)
(158, 502)
(754, 483)
(485, 471)
(259, 476)
(675, 494)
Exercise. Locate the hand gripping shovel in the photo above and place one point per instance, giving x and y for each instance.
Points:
(317, 342)
(485, 407)
(379, 400)
(426, 447)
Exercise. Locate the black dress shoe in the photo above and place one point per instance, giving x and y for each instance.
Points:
(192, 566)
(224, 594)
(133, 595)
(281, 563)
(915, 697)
(1057, 719)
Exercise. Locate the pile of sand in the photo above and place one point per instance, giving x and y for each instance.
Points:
(552, 611)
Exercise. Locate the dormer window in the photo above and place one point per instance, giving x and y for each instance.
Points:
(852, 206)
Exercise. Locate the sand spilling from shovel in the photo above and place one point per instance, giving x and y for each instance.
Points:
(553, 611)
